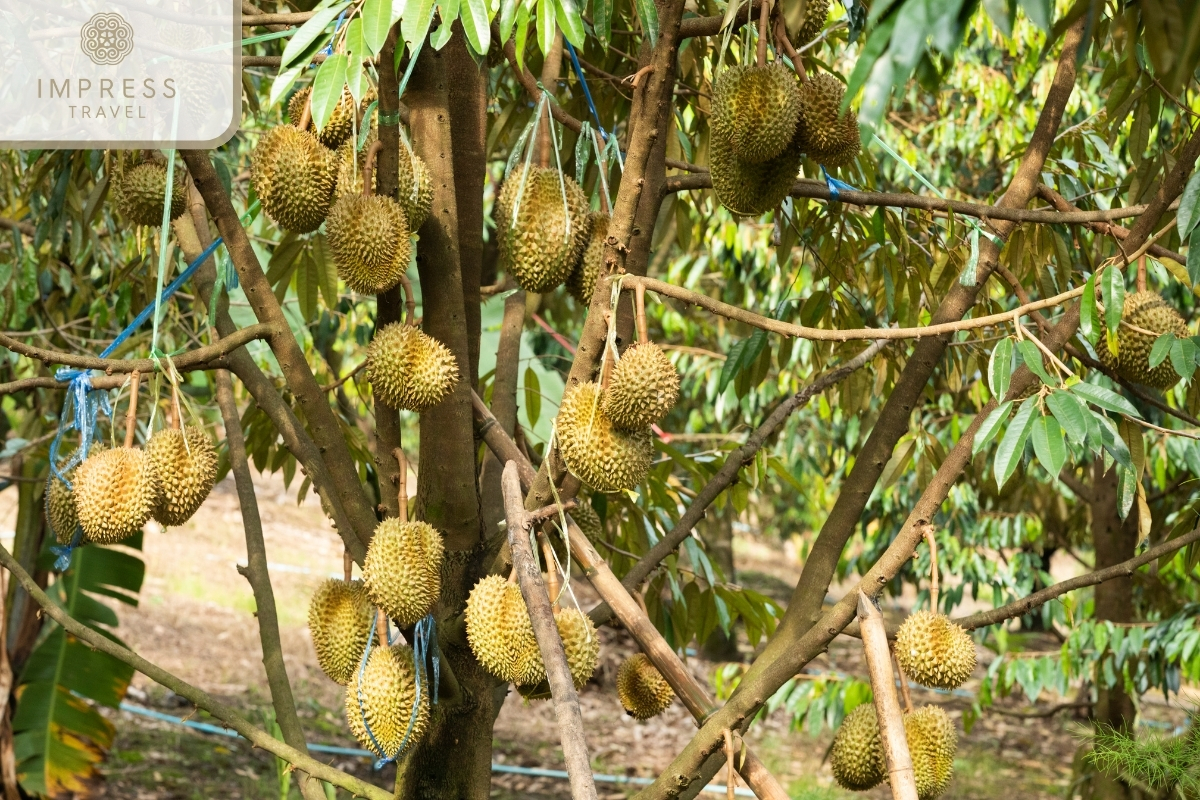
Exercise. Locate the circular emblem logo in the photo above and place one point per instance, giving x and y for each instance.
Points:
(106, 38)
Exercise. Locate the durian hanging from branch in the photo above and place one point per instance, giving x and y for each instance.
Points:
(407, 368)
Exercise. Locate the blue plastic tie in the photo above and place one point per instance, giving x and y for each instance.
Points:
(587, 93)
(329, 47)
(836, 187)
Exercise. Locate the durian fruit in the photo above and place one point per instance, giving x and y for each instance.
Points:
(606, 459)
(825, 135)
(643, 388)
(341, 122)
(536, 248)
(384, 694)
(581, 646)
(857, 753)
(294, 176)
(756, 109)
(116, 491)
(409, 369)
(1146, 310)
(414, 188)
(370, 241)
(499, 630)
(935, 652)
(60, 502)
(932, 743)
(186, 467)
(643, 691)
(582, 280)
(339, 619)
(750, 189)
(138, 193)
(588, 520)
(403, 569)
(816, 13)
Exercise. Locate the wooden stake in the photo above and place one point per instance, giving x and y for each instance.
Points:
(135, 383)
(887, 706)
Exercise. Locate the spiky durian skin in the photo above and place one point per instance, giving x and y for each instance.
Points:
(116, 491)
(370, 242)
(935, 652)
(932, 742)
(60, 508)
(403, 569)
(581, 283)
(341, 121)
(856, 757)
(827, 136)
(339, 620)
(643, 691)
(1149, 311)
(499, 630)
(409, 369)
(588, 520)
(139, 193)
(186, 472)
(815, 16)
(643, 388)
(581, 643)
(294, 176)
(414, 188)
(539, 247)
(756, 109)
(750, 189)
(388, 694)
(606, 459)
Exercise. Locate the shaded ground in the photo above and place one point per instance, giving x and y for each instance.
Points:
(196, 620)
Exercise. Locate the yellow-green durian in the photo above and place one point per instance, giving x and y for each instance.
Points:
(542, 224)
(185, 464)
(500, 632)
(756, 109)
(643, 691)
(138, 191)
(60, 508)
(116, 491)
(932, 742)
(826, 135)
(409, 369)
(384, 695)
(339, 620)
(856, 757)
(606, 459)
(414, 188)
(585, 516)
(750, 189)
(403, 569)
(581, 646)
(582, 280)
(816, 13)
(935, 652)
(341, 121)
(1148, 311)
(370, 242)
(294, 176)
(643, 388)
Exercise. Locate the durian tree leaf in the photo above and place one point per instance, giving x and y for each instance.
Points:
(1189, 207)
(414, 23)
(356, 82)
(1161, 349)
(570, 21)
(991, 426)
(307, 281)
(1089, 318)
(1112, 442)
(310, 33)
(546, 25)
(376, 18)
(1131, 435)
(1193, 256)
(1183, 357)
(1127, 484)
(1001, 12)
(508, 18)
(327, 271)
(283, 83)
(897, 464)
(1104, 398)
(732, 364)
(1048, 444)
(1112, 291)
(648, 15)
(327, 89)
(476, 24)
(533, 396)
(354, 38)
(1040, 13)
(1012, 444)
(1000, 368)
(1033, 359)
(284, 257)
(522, 34)
(447, 13)
(1071, 415)
(602, 21)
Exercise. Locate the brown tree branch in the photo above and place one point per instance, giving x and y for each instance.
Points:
(1116, 231)
(99, 382)
(20, 227)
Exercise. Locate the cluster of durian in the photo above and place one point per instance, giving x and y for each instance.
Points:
(1149, 312)
(643, 691)
(604, 436)
(414, 187)
(115, 492)
(857, 759)
(409, 369)
(500, 634)
(544, 227)
(138, 185)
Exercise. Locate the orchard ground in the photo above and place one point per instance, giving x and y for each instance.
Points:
(196, 620)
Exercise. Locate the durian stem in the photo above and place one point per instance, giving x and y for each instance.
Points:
(176, 414)
(781, 37)
(347, 565)
(369, 166)
(306, 114)
(764, 14)
(605, 205)
(553, 581)
(904, 693)
(933, 568)
(1141, 274)
(410, 302)
(135, 383)
(402, 485)
(639, 293)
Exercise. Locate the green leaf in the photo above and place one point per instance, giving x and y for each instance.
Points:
(354, 38)
(356, 81)
(648, 15)
(1000, 368)
(1193, 256)
(533, 396)
(415, 22)
(1012, 445)
(1048, 444)
(1112, 290)
(508, 18)
(732, 364)
(546, 25)
(1189, 207)
(327, 88)
(1104, 398)
(1089, 318)
(1183, 357)
(311, 32)
(522, 34)
(376, 20)
(283, 83)
(447, 14)
(477, 26)
(1033, 359)
(282, 260)
(1113, 443)
(570, 21)
(1161, 349)
(326, 270)
(1040, 13)
(991, 426)
(1070, 413)
(602, 21)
